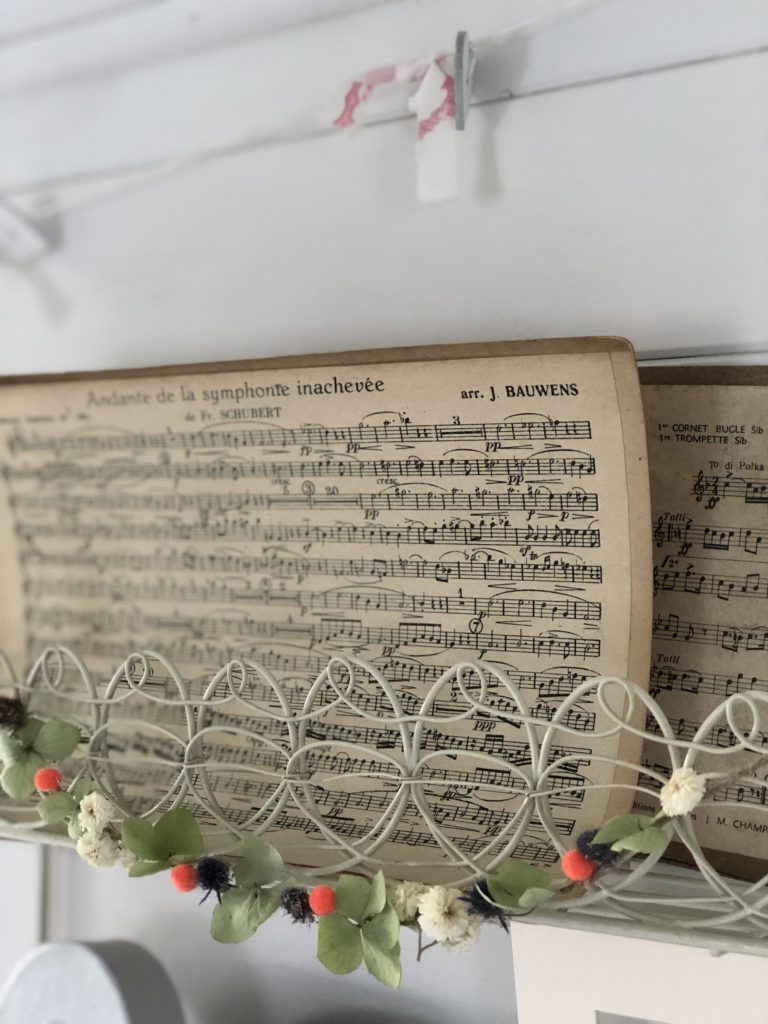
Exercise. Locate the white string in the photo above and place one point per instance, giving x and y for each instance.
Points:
(32, 200)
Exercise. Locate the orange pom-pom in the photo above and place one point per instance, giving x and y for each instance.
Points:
(577, 867)
(48, 780)
(184, 877)
(322, 900)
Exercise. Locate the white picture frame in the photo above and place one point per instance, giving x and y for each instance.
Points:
(563, 974)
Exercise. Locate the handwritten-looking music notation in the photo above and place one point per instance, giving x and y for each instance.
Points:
(411, 545)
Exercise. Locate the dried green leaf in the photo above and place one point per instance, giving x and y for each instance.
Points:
(140, 868)
(241, 912)
(383, 964)
(179, 833)
(56, 740)
(27, 734)
(82, 788)
(10, 748)
(623, 825)
(533, 898)
(260, 863)
(353, 894)
(513, 879)
(383, 930)
(378, 898)
(55, 807)
(18, 778)
(648, 840)
(339, 944)
(141, 839)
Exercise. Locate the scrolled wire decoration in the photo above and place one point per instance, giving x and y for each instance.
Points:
(275, 742)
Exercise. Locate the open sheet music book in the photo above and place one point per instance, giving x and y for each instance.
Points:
(412, 508)
(708, 457)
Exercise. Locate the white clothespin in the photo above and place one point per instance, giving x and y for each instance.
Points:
(441, 105)
(463, 69)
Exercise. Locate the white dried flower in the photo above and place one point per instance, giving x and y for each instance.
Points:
(683, 792)
(469, 937)
(444, 916)
(99, 850)
(96, 812)
(405, 900)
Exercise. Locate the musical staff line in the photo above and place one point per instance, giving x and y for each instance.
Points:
(730, 638)
(323, 632)
(690, 581)
(281, 533)
(287, 567)
(518, 469)
(708, 538)
(716, 487)
(720, 684)
(480, 501)
(358, 600)
(311, 434)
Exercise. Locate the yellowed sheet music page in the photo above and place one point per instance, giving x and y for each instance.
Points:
(708, 453)
(411, 511)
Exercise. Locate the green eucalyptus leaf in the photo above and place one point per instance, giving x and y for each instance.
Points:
(383, 930)
(378, 898)
(141, 868)
(260, 863)
(141, 839)
(10, 748)
(55, 807)
(269, 901)
(515, 876)
(618, 828)
(73, 826)
(82, 788)
(339, 944)
(352, 896)
(534, 897)
(383, 964)
(179, 833)
(18, 778)
(648, 840)
(27, 734)
(500, 895)
(56, 740)
(241, 912)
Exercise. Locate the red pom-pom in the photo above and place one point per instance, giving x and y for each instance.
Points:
(184, 877)
(577, 867)
(322, 900)
(48, 780)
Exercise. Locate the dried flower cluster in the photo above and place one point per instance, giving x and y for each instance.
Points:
(99, 841)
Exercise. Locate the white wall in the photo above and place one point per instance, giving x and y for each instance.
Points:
(274, 977)
(635, 205)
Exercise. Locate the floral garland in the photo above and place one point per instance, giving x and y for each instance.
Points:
(358, 918)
